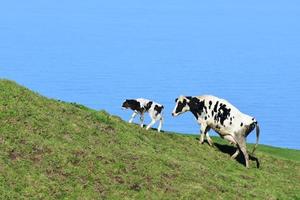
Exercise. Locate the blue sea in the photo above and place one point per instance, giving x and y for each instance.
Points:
(98, 53)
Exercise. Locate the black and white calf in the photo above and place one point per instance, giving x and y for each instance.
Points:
(140, 106)
(218, 114)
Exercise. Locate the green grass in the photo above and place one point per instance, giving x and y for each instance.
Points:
(57, 150)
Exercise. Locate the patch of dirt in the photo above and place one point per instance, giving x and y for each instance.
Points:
(23, 141)
(38, 153)
(57, 173)
(169, 176)
(136, 187)
(67, 137)
(15, 156)
(173, 165)
(84, 181)
(107, 129)
(79, 153)
(105, 160)
(1, 140)
(119, 179)
(99, 187)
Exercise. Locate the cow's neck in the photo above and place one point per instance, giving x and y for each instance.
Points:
(195, 113)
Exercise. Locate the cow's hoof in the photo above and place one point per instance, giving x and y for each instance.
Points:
(211, 144)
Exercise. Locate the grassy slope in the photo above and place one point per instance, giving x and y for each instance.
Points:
(52, 149)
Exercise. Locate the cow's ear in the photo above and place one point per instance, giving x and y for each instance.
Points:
(189, 97)
(176, 100)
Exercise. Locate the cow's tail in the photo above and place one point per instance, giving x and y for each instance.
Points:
(257, 136)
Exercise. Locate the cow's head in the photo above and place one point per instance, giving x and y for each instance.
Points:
(182, 105)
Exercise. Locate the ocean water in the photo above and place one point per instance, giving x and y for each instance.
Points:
(99, 53)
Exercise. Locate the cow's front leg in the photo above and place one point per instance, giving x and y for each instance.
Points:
(201, 140)
(132, 117)
(209, 140)
(202, 133)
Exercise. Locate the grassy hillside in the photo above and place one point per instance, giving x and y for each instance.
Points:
(56, 150)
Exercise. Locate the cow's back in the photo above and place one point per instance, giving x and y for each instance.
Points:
(222, 116)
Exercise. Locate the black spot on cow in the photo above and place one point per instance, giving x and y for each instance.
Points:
(242, 124)
(176, 100)
(210, 103)
(212, 113)
(216, 118)
(218, 127)
(230, 119)
(158, 108)
(133, 105)
(253, 119)
(230, 123)
(222, 114)
(205, 108)
(205, 118)
(216, 106)
(197, 106)
(148, 105)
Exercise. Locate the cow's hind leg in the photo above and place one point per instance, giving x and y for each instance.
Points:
(236, 153)
(232, 141)
(242, 146)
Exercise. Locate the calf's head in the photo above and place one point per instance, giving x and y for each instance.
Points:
(125, 104)
(133, 105)
(182, 105)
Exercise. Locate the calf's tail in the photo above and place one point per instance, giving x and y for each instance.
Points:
(257, 137)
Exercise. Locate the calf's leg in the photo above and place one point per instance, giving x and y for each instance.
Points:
(160, 123)
(132, 117)
(142, 120)
(151, 124)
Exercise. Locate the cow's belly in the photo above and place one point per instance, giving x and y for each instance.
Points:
(226, 129)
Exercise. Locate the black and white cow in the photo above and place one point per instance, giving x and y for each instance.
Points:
(218, 114)
(140, 106)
